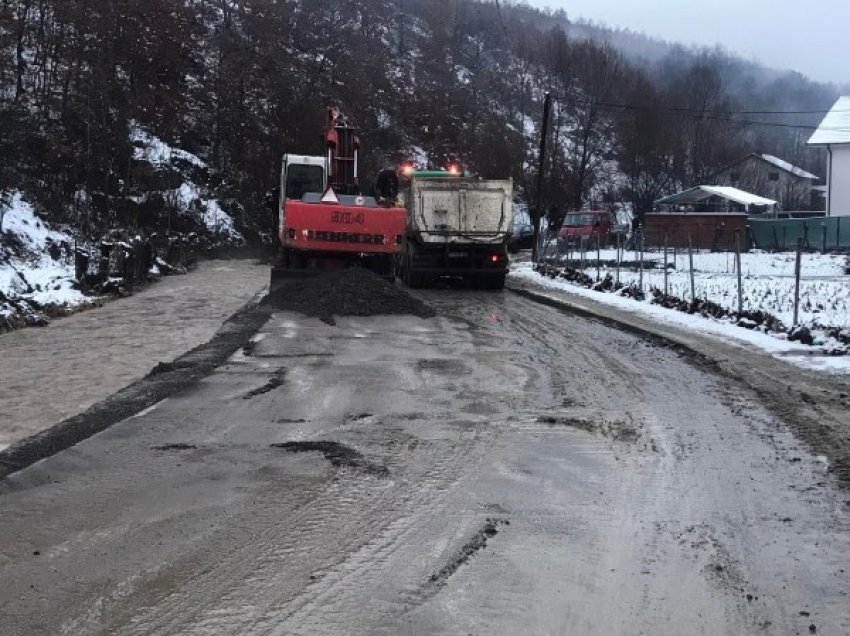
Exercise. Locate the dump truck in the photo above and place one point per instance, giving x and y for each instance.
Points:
(458, 226)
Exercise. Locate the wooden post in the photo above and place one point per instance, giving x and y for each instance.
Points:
(598, 257)
(691, 261)
(666, 287)
(618, 258)
(797, 269)
(823, 232)
(640, 262)
(740, 277)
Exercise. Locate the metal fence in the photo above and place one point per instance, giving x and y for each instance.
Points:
(824, 234)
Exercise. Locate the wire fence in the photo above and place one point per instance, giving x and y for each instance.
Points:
(776, 290)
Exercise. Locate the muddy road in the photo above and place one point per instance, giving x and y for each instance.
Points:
(500, 468)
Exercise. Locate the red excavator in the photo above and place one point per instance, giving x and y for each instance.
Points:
(325, 222)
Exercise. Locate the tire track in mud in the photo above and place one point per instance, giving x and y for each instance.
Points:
(340, 596)
(255, 588)
(358, 555)
(814, 405)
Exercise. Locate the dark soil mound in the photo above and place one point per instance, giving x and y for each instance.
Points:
(339, 455)
(347, 292)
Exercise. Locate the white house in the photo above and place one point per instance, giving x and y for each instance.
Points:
(834, 135)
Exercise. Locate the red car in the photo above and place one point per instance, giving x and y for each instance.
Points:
(585, 226)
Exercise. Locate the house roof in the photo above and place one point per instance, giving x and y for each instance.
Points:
(788, 167)
(703, 192)
(835, 127)
(775, 161)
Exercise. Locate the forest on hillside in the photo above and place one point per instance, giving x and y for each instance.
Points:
(239, 82)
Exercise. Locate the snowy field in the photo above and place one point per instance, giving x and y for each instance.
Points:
(30, 277)
(714, 280)
(768, 282)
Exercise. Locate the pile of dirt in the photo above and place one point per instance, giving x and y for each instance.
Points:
(348, 292)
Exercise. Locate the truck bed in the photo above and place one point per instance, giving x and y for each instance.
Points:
(456, 210)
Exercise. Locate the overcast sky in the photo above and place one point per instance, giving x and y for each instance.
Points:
(810, 36)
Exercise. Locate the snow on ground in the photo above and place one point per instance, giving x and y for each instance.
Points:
(775, 344)
(150, 148)
(189, 196)
(768, 282)
(28, 273)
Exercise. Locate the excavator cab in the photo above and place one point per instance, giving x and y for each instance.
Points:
(301, 178)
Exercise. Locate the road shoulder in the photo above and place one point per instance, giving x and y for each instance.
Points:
(815, 405)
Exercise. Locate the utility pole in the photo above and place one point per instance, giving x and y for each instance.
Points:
(538, 212)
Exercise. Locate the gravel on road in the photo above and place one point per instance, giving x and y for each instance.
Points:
(347, 292)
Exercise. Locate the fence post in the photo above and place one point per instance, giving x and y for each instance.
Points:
(598, 257)
(740, 277)
(666, 288)
(823, 232)
(618, 257)
(797, 268)
(838, 245)
(640, 264)
(691, 262)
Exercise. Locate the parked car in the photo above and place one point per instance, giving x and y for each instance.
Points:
(522, 238)
(585, 226)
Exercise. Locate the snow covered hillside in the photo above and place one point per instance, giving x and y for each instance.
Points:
(191, 197)
(36, 266)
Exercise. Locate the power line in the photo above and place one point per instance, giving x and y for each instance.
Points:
(722, 116)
